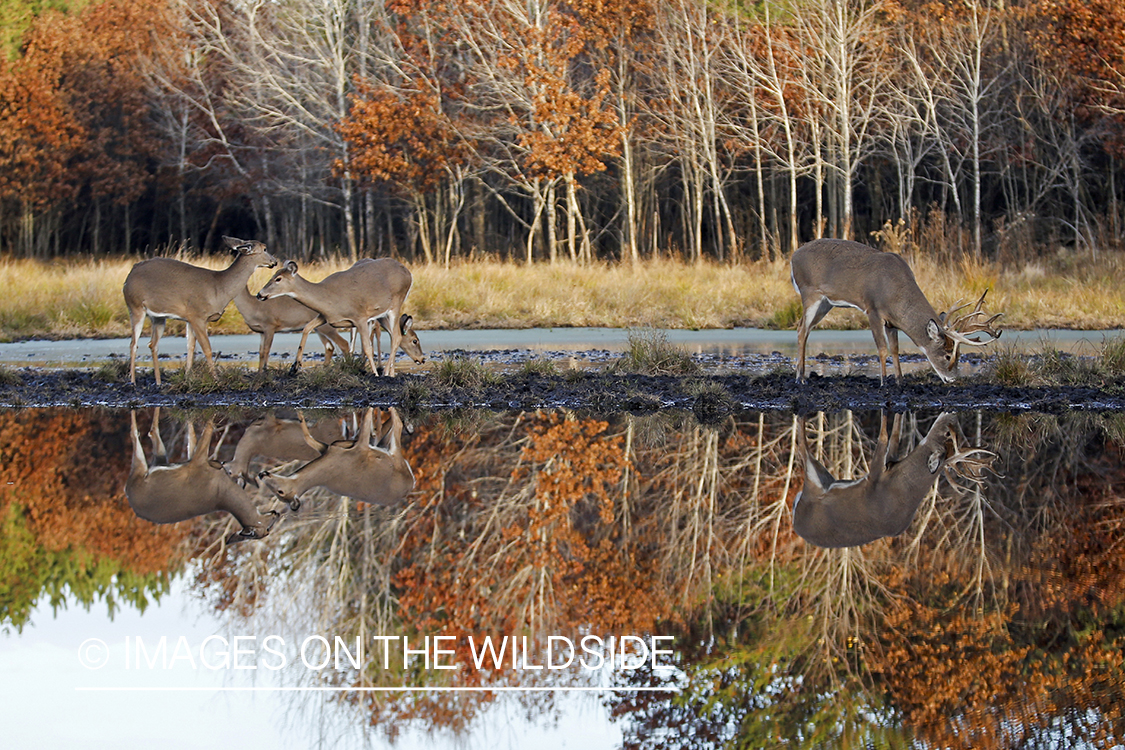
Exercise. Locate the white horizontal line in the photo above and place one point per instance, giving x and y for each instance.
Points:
(502, 689)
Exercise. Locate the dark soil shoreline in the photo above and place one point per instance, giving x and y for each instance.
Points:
(709, 396)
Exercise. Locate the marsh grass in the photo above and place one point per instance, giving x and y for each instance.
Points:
(344, 372)
(649, 353)
(200, 379)
(9, 377)
(1051, 367)
(115, 370)
(540, 367)
(76, 298)
(461, 371)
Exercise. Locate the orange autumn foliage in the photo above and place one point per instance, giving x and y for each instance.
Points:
(67, 470)
(547, 550)
(75, 107)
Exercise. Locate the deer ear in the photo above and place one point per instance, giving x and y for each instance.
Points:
(231, 241)
(933, 330)
(291, 266)
(405, 323)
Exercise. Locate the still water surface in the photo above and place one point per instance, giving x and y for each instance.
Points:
(837, 579)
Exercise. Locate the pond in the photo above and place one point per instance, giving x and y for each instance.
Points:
(562, 577)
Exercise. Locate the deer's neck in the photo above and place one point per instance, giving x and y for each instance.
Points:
(232, 280)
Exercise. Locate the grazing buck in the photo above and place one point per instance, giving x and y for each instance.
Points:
(830, 512)
(370, 468)
(162, 288)
(831, 273)
(167, 493)
(283, 315)
(372, 290)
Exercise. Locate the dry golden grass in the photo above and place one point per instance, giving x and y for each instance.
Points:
(83, 297)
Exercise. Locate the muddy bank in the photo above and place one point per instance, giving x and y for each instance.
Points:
(710, 396)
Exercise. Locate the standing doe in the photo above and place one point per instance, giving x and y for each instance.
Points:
(283, 315)
(831, 273)
(371, 291)
(162, 288)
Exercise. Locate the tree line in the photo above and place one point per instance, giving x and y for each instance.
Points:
(543, 130)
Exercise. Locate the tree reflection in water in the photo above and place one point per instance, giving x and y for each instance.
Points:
(995, 620)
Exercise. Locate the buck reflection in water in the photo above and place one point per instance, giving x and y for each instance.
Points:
(166, 493)
(369, 468)
(831, 512)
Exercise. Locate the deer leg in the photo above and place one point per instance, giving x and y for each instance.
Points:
(395, 330)
(136, 323)
(159, 450)
(189, 334)
(317, 321)
(879, 331)
(264, 347)
(333, 339)
(363, 330)
(813, 314)
(154, 344)
(377, 337)
(140, 466)
(892, 342)
(204, 341)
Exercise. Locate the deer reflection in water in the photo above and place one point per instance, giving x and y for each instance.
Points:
(281, 440)
(167, 493)
(831, 512)
(370, 468)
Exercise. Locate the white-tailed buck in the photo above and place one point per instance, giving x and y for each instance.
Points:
(167, 493)
(370, 468)
(370, 293)
(283, 315)
(281, 440)
(830, 512)
(831, 273)
(162, 288)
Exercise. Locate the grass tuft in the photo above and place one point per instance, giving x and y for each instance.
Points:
(9, 377)
(344, 372)
(786, 317)
(201, 380)
(461, 371)
(1112, 357)
(649, 353)
(114, 370)
(542, 367)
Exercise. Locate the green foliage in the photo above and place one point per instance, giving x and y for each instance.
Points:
(29, 571)
(16, 17)
(649, 353)
(786, 317)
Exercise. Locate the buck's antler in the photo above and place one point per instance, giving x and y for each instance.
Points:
(971, 322)
(972, 464)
